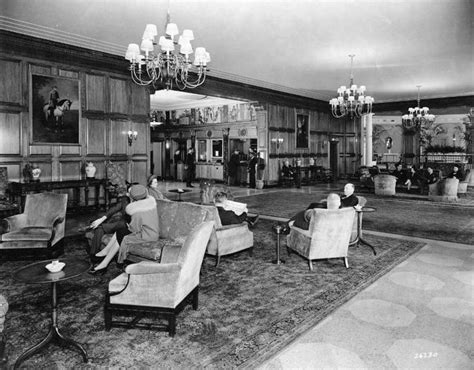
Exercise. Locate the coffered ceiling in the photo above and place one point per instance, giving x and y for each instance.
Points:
(298, 46)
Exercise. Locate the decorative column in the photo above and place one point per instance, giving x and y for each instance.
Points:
(225, 153)
(366, 140)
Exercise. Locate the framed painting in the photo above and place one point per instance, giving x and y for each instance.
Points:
(302, 131)
(55, 110)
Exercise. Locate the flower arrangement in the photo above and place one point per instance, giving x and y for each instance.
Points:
(445, 149)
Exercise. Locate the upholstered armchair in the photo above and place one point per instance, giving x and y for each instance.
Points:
(7, 208)
(328, 235)
(39, 228)
(161, 289)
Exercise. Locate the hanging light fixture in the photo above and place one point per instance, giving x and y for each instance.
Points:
(417, 116)
(351, 100)
(166, 66)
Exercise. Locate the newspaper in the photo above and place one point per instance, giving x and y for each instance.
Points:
(237, 207)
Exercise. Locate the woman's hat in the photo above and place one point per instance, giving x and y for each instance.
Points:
(138, 192)
(150, 179)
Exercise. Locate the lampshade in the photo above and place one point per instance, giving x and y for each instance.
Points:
(172, 29)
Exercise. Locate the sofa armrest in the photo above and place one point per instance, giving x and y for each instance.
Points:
(170, 254)
(15, 222)
(57, 221)
(232, 226)
(144, 267)
(306, 233)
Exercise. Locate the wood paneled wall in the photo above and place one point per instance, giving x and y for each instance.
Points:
(322, 128)
(110, 106)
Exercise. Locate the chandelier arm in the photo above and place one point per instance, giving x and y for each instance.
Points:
(137, 79)
(201, 77)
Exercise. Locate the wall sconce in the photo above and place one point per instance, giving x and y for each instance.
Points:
(167, 144)
(278, 141)
(225, 132)
(132, 135)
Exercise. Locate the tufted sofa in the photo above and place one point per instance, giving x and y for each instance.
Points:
(177, 219)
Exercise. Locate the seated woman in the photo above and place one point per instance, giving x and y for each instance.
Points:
(231, 212)
(152, 187)
(143, 227)
(115, 219)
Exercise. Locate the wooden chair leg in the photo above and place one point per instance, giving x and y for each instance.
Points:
(196, 298)
(218, 259)
(107, 319)
(172, 325)
(346, 262)
(310, 265)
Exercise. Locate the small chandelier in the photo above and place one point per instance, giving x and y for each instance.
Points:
(417, 116)
(351, 101)
(167, 67)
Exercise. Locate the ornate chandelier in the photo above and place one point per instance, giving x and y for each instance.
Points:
(417, 116)
(351, 101)
(165, 66)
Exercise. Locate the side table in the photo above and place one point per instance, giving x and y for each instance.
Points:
(36, 273)
(359, 239)
(179, 192)
(278, 229)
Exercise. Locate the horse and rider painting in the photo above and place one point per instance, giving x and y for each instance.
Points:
(55, 106)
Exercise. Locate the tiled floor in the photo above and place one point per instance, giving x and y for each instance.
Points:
(420, 315)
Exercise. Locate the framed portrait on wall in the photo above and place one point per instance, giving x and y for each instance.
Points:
(55, 110)
(302, 131)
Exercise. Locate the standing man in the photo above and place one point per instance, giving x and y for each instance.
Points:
(190, 167)
(234, 168)
(251, 168)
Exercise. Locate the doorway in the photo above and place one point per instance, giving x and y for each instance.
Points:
(334, 158)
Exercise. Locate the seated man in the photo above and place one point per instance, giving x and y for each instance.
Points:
(349, 199)
(410, 178)
(398, 173)
(456, 173)
(231, 212)
(287, 170)
(431, 177)
(302, 218)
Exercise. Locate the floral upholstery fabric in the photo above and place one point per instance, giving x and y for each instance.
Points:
(116, 176)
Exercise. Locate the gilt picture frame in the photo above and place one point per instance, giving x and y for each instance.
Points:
(55, 110)
(302, 131)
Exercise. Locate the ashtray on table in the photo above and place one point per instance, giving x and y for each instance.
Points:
(55, 266)
(180, 191)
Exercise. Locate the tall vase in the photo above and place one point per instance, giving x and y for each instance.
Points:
(90, 170)
(35, 173)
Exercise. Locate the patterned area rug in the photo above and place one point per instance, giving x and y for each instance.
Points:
(249, 308)
(420, 218)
